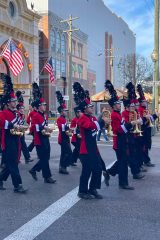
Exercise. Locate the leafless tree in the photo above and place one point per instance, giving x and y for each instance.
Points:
(135, 68)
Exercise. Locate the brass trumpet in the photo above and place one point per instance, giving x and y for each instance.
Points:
(20, 131)
(47, 132)
(133, 116)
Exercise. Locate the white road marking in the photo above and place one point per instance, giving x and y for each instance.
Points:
(45, 219)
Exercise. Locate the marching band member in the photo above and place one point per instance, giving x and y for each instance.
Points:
(41, 140)
(76, 137)
(89, 153)
(146, 127)
(120, 129)
(130, 114)
(63, 137)
(31, 114)
(20, 109)
(9, 124)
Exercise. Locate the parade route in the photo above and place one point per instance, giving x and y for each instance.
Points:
(55, 212)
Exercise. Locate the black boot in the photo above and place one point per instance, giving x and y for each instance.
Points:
(106, 178)
(63, 171)
(1, 186)
(95, 194)
(149, 164)
(33, 174)
(126, 187)
(138, 176)
(20, 189)
(49, 180)
(85, 196)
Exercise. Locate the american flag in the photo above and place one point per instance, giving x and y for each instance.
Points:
(49, 68)
(14, 57)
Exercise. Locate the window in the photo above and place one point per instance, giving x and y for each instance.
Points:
(53, 40)
(80, 50)
(58, 43)
(58, 72)
(54, 64)
(63, 45)
(80, 71)
(73, 47)
(11, 9)
(63, 69)
(74, 69)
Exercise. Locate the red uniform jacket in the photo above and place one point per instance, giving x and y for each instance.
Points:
(39, 121)
(7, 119)
(125, 116)
(119, 128)
(29, 119)
(74, 127)
(63, 127)
(88, 126)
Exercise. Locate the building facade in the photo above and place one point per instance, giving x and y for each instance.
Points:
(54, 43)
(21, 25)
(109, 37)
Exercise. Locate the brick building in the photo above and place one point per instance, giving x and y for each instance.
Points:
(54, 43)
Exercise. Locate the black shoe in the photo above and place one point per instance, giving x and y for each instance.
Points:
(49, 180)
(95, 194)
(20, 189)
(33, 174)
(1, 186)
(126, 187)
(73, 164)
(138, 176)
(106, 178)
(85, 196)
(149, 164)
(28, 160)
(63, 171)
(143, 169)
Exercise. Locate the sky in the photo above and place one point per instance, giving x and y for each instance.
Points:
(139, 15)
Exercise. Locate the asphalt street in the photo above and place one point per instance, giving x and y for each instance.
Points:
(54, 212)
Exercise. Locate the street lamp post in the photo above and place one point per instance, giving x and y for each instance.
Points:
(155, 56)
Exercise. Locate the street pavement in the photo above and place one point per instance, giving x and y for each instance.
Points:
(54, 212)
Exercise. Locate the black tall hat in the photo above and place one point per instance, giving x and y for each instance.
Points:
(141, 93)
(8, 91)
(114, 97)
(37, 96)
(20, 100)
(81, 97)
(61, 102)
(131, 93)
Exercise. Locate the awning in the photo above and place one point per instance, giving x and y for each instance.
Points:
(104, 96)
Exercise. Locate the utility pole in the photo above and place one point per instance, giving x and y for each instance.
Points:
(70, 33)
(155, 57)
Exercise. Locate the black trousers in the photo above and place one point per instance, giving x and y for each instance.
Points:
(120, 167)
(24, 148)
(75, 154)
(146, 158)
(139, 149)
(3, 158)
(31, 145)
(43, 153)
(134, 157)
(91, 167)
(66, 155)
(11, 162)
